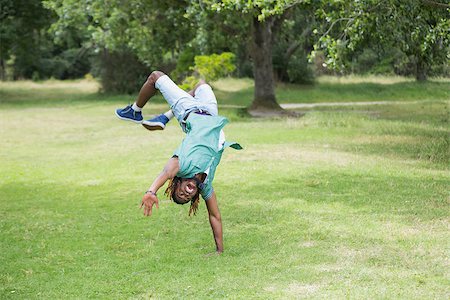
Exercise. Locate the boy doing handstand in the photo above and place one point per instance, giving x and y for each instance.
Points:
(190, 171)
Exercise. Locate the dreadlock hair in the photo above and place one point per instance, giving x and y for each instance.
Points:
(170, 191)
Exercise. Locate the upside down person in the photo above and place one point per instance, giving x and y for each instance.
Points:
(191, 169)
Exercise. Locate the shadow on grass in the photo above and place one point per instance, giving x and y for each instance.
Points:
(414, 133)
(417, 131)
(432, 150)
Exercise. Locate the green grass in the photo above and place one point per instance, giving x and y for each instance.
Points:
(239, 92)
(345, 202)
(343, 90)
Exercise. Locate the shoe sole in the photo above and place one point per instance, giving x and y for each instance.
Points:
(127, 119)
(153, 126)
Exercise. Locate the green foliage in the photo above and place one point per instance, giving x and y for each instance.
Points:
(121, 72)
(185, 63)
(262, 9)
(189, 83)
(418, 28)
(209, 68)
(367, 36)
(23, 35)
(70, 63)
(144, 35)
(293, 41)
(221, 31)
(24, 27)
(148, 29)
(299, 71)
(214, 66)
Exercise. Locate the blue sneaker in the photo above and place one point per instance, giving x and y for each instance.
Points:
(129, 114)
(157, 123)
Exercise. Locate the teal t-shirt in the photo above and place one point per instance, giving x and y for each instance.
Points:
(199, 151)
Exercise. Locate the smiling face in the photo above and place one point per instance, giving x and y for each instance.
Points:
(186, 190)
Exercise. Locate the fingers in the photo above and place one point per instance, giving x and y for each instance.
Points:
(142, 202)
(150, 210)
(148, 206)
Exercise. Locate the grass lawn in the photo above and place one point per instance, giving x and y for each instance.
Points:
(345, 202)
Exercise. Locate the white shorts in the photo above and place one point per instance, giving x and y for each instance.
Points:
(182, 103)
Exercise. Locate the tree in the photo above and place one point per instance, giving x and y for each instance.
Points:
(22, 29)
(266, 17)
(419, 28)
(157, 28)
(293, 45)
(132, 35)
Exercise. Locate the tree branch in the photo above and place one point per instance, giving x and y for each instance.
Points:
(293, 4)
(334, 23)
(435, 4)
(294, 46)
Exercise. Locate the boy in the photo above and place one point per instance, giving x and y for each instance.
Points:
(191, 169)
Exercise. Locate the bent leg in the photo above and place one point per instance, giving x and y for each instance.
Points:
(192, 92)
(148, 90)
(134, 112)
(205, 96)
(179, 100)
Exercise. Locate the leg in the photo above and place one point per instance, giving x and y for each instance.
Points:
(192, 92)
(179, 101)
(134, 112)
(159, 122)
(148, 90)
(204, 94)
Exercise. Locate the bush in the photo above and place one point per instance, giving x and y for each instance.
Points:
(121, 72)
(215, 66)
(209, 68)
(54, 67)
(188, 83)
(299, 71)
(78, 62)
(293, 69)
(185, 63)
(365, 61)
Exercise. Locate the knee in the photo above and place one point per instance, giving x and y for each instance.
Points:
(201, 82)
(155, 76)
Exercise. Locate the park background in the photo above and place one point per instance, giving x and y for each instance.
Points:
(341, 190)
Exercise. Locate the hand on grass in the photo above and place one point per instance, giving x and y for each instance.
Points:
(147, 202)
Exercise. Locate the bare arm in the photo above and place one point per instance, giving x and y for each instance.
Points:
(216, 221)
(150, 198)
(169, 171)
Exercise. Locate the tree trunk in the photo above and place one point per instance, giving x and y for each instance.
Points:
(2, 70)
(421, 69)
(264, 97)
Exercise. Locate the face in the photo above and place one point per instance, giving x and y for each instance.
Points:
(186, 190)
